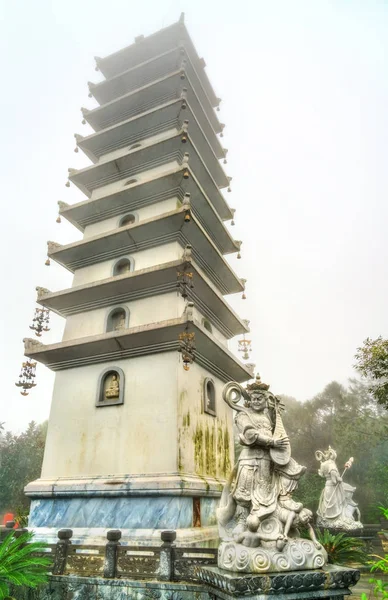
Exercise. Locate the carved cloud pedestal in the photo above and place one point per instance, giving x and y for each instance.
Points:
(298, 554)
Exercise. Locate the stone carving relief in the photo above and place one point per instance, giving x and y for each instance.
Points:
(258, 518)
(337, 509)
(112, 386)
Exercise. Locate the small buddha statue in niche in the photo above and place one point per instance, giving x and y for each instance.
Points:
(112, 389)
(119, 321)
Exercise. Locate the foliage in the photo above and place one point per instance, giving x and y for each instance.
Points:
(380, 589)
(21, 516)
(349, 420)
(18, 564)
(21, 459)
(372, 363)
(384, 510)
(342, 549)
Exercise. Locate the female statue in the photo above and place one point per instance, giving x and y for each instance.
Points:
(336, 505)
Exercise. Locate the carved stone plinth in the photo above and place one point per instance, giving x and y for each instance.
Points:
(329, 582)
(298, 554)
(340, 524)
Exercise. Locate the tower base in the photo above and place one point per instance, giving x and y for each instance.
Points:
(140, 506)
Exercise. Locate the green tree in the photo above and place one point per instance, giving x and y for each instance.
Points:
(21, 459)
(350, 421)
(372, 363)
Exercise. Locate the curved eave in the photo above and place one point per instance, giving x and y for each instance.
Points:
(145, 283)
(143, 193)
(132, 163)
(151, 233)
(141, 126)
(168, 87)
(163, 40)
(140, 341)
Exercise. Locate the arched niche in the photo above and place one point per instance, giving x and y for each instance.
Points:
(128, 219)
(110, 389)
(123, 265)
(117, 319)
(209, 396)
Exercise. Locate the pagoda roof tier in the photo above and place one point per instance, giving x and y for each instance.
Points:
(146, 47)
(148, 124)
(146, 72)
(210, 220)
(149, 191)
(152, 281)
(153, 94)
(140, 341)
(149, 155)
(151, 233)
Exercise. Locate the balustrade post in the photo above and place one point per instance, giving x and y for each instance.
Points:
(166, 571)
(110, 560)
(61, 551)
(19, 531)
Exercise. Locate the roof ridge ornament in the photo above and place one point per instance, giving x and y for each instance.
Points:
(42, 291)
(53, 246)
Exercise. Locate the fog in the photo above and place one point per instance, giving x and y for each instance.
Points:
(304, 97)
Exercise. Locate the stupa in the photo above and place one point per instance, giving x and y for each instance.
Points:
(139, 438)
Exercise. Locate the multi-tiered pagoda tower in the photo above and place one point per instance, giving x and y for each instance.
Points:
(139, 438)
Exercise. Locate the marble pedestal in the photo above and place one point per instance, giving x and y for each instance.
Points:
(140, 506)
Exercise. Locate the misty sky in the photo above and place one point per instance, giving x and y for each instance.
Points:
(305, 95)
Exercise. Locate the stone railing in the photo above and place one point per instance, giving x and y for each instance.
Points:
(113, 560)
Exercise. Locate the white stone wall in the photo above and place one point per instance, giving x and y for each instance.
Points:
(205, 441)
(148, 212)
(141, 312)
(143, 259)
(143, 176)
(199, 316)
(139, 436)
(144, 143)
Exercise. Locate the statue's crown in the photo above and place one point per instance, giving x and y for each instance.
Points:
(257, 385)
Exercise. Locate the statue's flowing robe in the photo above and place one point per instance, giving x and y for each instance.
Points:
(259, 480)
(332, 501)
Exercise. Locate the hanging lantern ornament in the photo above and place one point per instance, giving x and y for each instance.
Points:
(58, 219)
(187, 347)
(26, 377)
(47, 263)
(40, 321)
(184, 281)
(244, 346)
